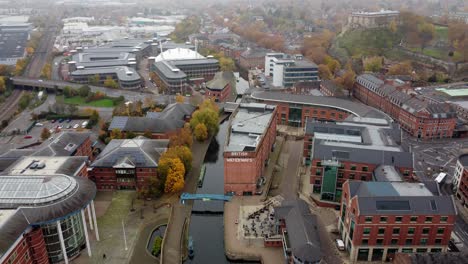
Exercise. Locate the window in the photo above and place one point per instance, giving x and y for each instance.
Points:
(425, 230)
(351, 176)
(409, 241)
(353, 167)
(383, 219)
(414, 219)
(363, 177)
(398, 219)
(443, 219)
(428, 219)
(365, 241)
(396, 231)
(438, 241)
(423, 241)
(317, 182)
(368, 219)
(381, 230)
(365, 168)
(421, 250)
(394, 241)
(440, 230)
(367, 230)
(318, 172)
(411, 230)
(340, 175)
(379, 241)
(319, 164)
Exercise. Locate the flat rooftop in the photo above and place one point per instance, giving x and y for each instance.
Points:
(28, 165)
(462, 92)
(248, 126)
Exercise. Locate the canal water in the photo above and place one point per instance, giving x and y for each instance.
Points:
(206, 223)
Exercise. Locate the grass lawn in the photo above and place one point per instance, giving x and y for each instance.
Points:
(78, 100)
(118, 210)
(441, 32)
(438, 53)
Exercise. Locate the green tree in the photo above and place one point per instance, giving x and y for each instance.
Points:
(95, 80)
(157, 246)
(24, 101)
(84, 91)
(116, 133)
(45, 134)
(130, 135)
(148, 134)
(67, 91)
(373, 64)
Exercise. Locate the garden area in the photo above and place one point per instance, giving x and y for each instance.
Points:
(85, 97)
(82, 101)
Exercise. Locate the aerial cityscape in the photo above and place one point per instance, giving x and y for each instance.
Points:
(233, 131)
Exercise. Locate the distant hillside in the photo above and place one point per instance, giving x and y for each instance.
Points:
(366, 42)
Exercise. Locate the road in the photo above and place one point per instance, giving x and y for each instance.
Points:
(144, 73)
(290, 158)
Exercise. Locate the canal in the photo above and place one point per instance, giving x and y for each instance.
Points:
(206, 223)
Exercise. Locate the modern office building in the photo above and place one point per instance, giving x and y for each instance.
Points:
(363, 149)
(288, 70)
(176, 68)
(380, 219)
(250, 140)
(42, 215)
(460, 179)
(295, 109)
(45, 165)
(419, 118)
(127, 163)
(126, 77)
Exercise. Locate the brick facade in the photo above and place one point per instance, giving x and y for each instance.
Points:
(106, 178)
(28, 249)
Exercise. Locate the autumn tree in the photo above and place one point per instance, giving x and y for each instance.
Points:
(373, 64)
(175, 177)
(45, 134)
(207, 114)
(148, 134)
(393, 26)
(201, 132)
(95, 79)
(324, 72)
(46, 72)
(403, 68)
(182, 138)
(181, 152)
(2, 85)
(116, 133)
(349, 78)
(226, 64)
(180, 98)
(110, 83)
(20, 66)
(426, 33)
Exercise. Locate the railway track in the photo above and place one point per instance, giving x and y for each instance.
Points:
(8, 108)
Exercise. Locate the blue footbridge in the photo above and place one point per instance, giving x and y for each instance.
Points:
(204, 197)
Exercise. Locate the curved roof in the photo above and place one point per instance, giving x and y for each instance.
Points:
(36, 200)
(178, 54)
(349, 106)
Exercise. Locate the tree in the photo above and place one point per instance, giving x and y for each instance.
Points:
(148, 134)
(130, 135)
(226, 64)
(183, 153)
(182, 138)
(111, 83)
(393, 26)
(373, 64)
(201, 132)
(426, 33)
(84, 91)
(207, 114)
(45, 134)
(180, 98)
(349, 77)
(157, 246)
(324, 72)
(47, 71)
(20, 66)
(67, 91)
(72, 109)
(94, 80)
(94, 118)
(116, 134)
(175, 177)
(403, 68)
(24, 101)
(332, 64)
(2, 85)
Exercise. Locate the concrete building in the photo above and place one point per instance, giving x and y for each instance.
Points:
(288, 70)
(126, 78)
(421, 119)
(76, 166)
(295, 109)
(176, 68)
(221, 87)
(459, 16)
(127, 163)
(42, 215)
(363, 149)
(381, 18)
(460, 179)
(251, 138)
(379, 219)
(14, 40)
(160, 124)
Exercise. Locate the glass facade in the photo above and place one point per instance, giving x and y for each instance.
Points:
(73, 236)
(295, 116)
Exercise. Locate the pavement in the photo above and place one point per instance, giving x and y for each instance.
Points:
(144, 73)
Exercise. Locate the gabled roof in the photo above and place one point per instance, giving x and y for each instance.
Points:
(64, 144)
(126, 153)
(301, 226)
(220, 80)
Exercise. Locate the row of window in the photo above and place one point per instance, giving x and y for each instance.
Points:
(399, 219)
(408, 241)
(396, 231)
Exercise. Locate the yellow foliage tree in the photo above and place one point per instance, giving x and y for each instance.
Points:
(182, 138)
(180, 98)
(2, 85)
(201, 132)
(175, 176)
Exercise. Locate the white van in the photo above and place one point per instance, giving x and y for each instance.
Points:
(84, 124)
(340, 244)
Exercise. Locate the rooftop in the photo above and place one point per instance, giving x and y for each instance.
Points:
(404, 198)
(30, 165)
(387, 173)
(123, 73)
(351, 107)
(462, 92)
(132, 153)
(179, 54)
(220, 80)
(463, 160)
(64, 144)
(248, 126)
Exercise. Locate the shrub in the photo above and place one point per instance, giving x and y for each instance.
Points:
(157, 246)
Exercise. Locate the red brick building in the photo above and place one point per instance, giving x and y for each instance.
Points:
(419, 118)
(220, 88)
(295, 109)
(27, 249)
(250, 141)
(460, 179)
(162, 125)
(127, 163)
(379, 219)
(253, 58)
(67, 144)
(356, 150)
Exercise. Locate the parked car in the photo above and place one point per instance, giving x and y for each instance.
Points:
(28, 136)
(68, 120)
(53, 121)
(39, 124)
(69, 126)
(340, 244)
(60, 120)
(76, 126)
(84, 124)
